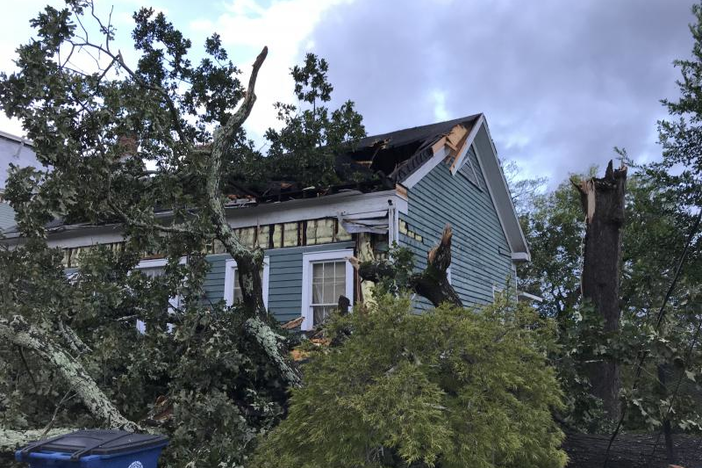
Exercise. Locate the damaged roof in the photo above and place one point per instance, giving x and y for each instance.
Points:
(377, 162)
(400, 153)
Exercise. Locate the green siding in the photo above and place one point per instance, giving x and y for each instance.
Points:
(481, 256)
(285, 281)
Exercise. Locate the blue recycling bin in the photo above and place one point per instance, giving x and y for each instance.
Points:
(95, 449)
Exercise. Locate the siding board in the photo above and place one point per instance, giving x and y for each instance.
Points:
(285, 278)
(479, 243)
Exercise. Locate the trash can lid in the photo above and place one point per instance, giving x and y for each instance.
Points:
(97, 442)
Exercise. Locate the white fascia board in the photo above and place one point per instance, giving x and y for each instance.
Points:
(425, 168)
(469, 142)
(269, 213)
(488, 185)
(323, 207)
(18, 139)
(531, 297)
(521, 257)
(501, 197)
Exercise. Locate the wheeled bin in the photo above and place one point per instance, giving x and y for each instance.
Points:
(95, 449)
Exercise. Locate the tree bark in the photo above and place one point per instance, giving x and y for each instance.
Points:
(249, 262)
(432, 283)
(603, 204)
(10, 440)
(17, 331)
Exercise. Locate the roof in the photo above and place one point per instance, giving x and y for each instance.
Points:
(400, 157)
(400, 153)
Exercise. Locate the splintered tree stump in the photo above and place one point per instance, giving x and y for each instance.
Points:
(432, 283)
(603, 203)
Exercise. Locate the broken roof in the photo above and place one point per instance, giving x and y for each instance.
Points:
(381, 161)
(400, 153)
(400, 157)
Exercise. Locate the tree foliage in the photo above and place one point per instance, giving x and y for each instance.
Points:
(450, 388)
(146, 149)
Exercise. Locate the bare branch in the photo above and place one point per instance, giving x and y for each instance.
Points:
(66, 398)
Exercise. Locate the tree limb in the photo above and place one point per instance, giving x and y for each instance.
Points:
(19, 332)
(11, 440)
(248, 262)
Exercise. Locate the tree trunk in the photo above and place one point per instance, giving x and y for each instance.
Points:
(249, 262)
(603, 203)
(432, 283)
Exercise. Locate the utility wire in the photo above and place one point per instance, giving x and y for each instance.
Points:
(659, 320)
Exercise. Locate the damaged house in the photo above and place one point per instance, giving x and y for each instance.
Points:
(433, 175)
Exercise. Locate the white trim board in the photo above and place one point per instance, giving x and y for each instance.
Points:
(323, 207)
(230, 267)
(345, 204)
(307, 260)
(426, 168)
(469, 142)
(500, 194)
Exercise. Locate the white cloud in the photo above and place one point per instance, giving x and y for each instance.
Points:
(284, 26)
(439, 100)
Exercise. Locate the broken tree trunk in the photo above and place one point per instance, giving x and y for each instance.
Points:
(18, 331)
(249, 262)
(432, 283)
(603, 204)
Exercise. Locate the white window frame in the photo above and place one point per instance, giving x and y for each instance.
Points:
(325, 256)
(229, 275)
(173, 301)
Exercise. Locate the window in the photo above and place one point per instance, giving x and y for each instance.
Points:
(232, 289)
(469, 169)
(325, 277)
(153, 269)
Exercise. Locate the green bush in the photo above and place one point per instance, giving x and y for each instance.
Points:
(450, 388)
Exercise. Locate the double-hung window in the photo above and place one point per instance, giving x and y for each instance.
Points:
(153, 269)
(232, 288)
(325, 277)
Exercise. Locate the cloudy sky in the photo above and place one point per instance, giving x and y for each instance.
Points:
(561, 82)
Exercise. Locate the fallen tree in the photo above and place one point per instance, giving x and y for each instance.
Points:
(94, 129)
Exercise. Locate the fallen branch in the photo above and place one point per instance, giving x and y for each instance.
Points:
(11, 440)
(18, 331)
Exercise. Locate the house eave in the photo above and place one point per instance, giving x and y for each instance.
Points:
(335, 205)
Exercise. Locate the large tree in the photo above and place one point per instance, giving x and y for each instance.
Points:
(152, 145)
